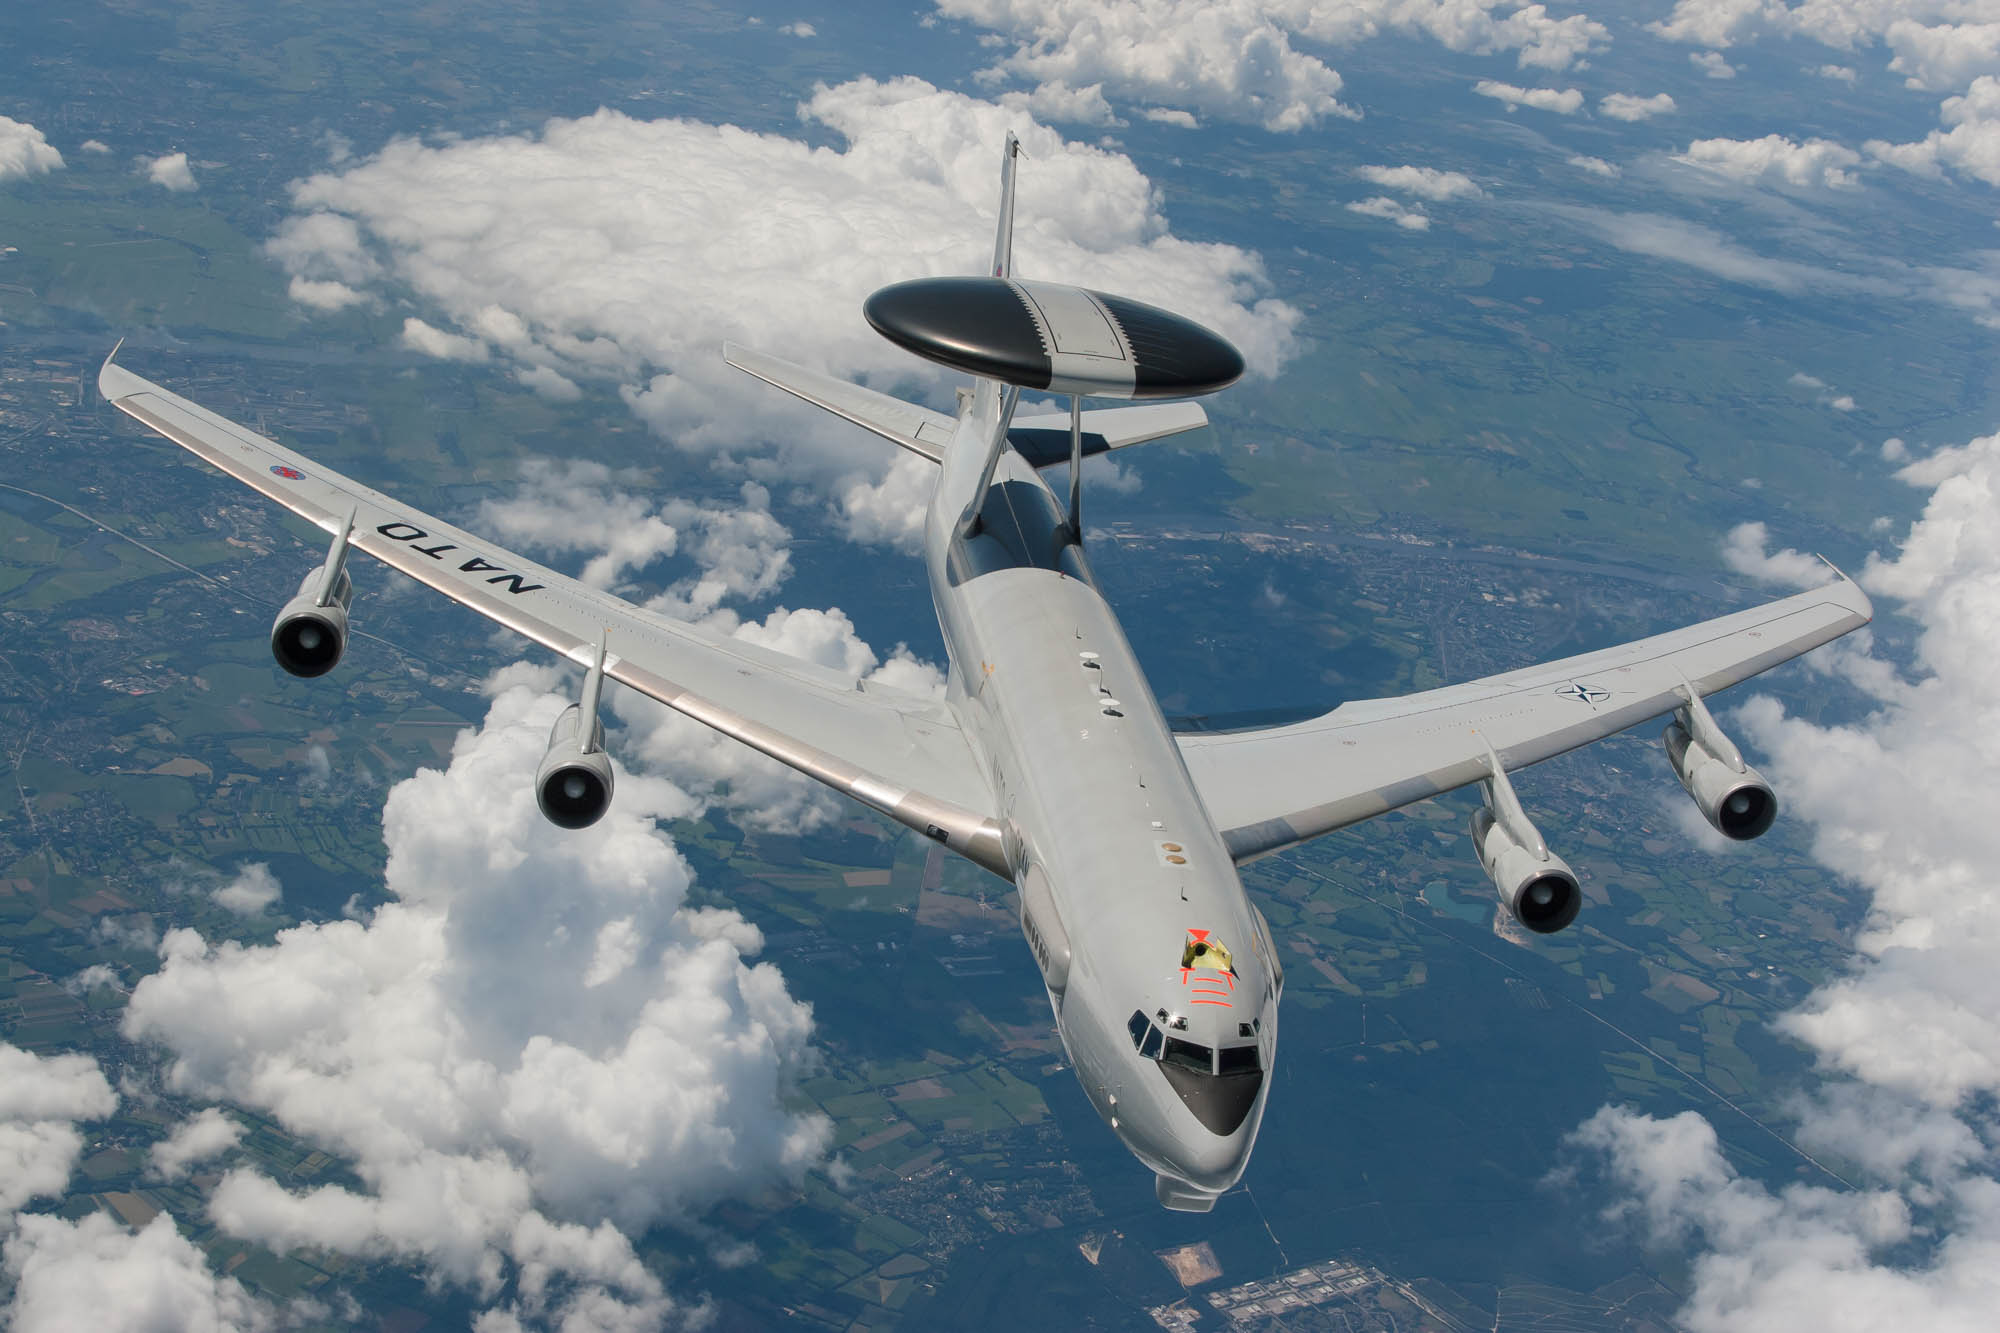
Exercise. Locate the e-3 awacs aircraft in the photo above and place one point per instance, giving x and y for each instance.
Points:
(1048, 762)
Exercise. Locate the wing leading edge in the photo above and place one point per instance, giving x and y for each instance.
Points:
(897, 752)
(1269, 789)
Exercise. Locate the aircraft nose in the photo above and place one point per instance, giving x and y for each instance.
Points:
(1214, 1162)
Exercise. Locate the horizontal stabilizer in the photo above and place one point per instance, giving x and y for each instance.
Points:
(915, 428)
(1044, 440)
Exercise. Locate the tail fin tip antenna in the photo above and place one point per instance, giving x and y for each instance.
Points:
(1003, 242)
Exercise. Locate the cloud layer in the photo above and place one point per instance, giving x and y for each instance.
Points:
(1775, 159)
(535, 1048)
(580, 251)
(1909, 1036)
(1238, 59)
(41, 1099)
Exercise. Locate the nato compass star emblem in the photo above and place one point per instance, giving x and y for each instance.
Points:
(1584, 694)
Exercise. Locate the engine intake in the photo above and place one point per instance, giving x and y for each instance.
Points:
(573, 784)
(310, 634)
(1732, 797)
(1540, 891)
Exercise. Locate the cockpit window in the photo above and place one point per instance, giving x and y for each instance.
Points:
(1187, 1055)
(1236, 1060)
(1145, 1036)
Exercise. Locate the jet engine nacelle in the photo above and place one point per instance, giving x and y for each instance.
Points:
(1731, 796)
(1540, 891)
(573, 784)
(310, 634)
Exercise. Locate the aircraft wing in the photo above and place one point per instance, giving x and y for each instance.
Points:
(918, 429)
(903, 754)
(1271, 788)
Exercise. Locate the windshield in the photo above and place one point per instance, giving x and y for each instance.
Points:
(1187, 1055)
(1157, 1045)
(1236, 1060)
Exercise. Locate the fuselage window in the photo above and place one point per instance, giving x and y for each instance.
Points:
(1151, 1046)
(1137, 1026)
(1187, 1055)
(1236, 1060)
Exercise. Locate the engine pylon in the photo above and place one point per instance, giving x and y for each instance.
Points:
(573, 784)
(310, 633)
(1537, 887)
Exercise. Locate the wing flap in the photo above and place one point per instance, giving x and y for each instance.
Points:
(1271, 788)
(898, 752)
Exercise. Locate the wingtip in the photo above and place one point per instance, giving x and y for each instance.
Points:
(107, 385)
(1850, 590)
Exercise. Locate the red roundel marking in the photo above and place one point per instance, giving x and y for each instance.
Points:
(288, 473)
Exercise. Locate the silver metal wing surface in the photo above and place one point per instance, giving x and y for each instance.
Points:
(1271, 788)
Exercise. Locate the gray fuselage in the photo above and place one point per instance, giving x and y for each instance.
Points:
(1167, 961)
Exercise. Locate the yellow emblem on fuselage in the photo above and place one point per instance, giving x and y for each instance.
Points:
(1203, 950)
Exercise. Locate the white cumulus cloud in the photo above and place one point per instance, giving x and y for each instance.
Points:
(1596, 166)
(1971, 146)
(170, 170)
(1816, 162)
(1392, 210)
(1943, 57)
(1240, 59)
(41, 1099)
(209, 1135)
(1235, 61)
(1712, 64)
(515, 1097)
(23, 150)
(1747, 551)
(1424, 182)
(421, 337)
(95, 1274)
(1843, 24)
(251, 893)
(1629, 106)
(1563, 101)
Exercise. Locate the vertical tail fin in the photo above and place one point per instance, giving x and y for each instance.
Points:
(1003, 241)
